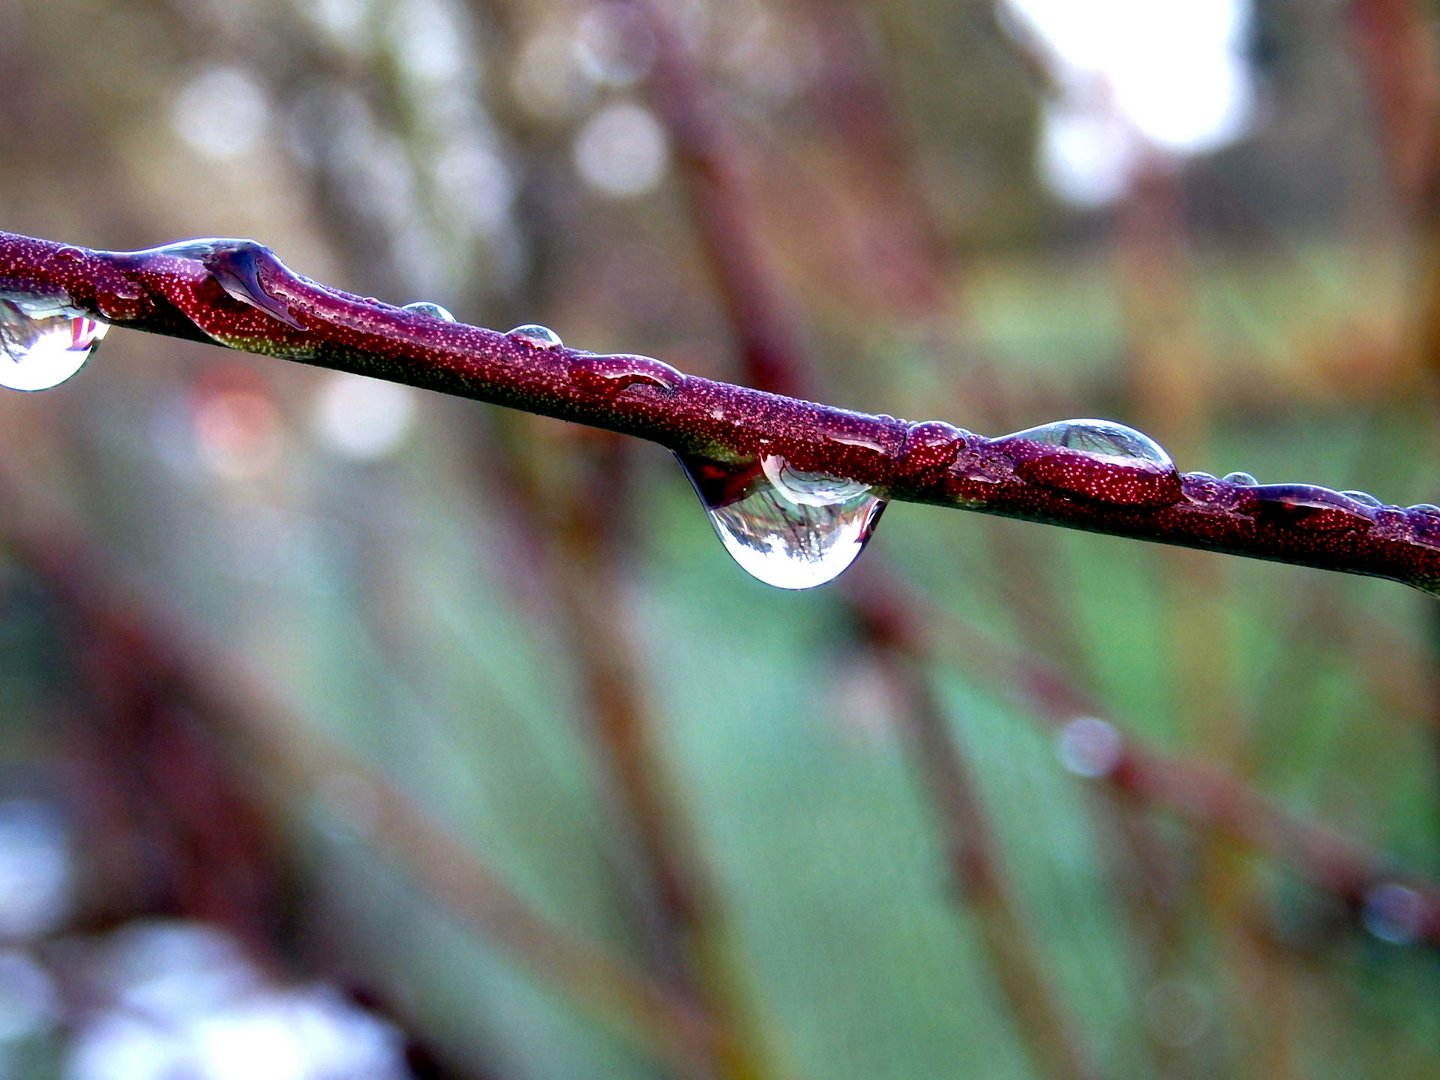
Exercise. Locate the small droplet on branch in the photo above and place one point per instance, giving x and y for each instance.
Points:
(536, 336)
(615, 373)
(435, 311)
(1310, 507)
(1063, 457)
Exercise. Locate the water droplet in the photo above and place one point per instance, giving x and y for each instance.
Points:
(1101, 438)
(1201, 487)
(1089, 747)
(1423, 524)
(235, 265)
(66, 255)
(1139, 473)
(1243, 479)
(614, 373)
(536, 336)
(790, 529)
(1310, 506)
(1391, 523)
(1394, 913)
(435, 311)
(124, 300)
(1364, 498)
(932, 445)
(44, 343)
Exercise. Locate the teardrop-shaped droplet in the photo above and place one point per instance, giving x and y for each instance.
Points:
(790, 529)
(1136, 472)
(435, 311)
(536, 336)
(1243, 479)
(44, 343)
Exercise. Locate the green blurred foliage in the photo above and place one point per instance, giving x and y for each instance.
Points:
(409, 600)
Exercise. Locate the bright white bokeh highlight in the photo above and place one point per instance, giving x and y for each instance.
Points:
(622, 151)
(363, 419)
(1138, 81)
(222, 113)
(180, 999)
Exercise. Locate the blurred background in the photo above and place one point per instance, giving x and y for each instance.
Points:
(352, 731)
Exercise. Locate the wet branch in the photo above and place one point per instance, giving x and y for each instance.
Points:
(1080, 474)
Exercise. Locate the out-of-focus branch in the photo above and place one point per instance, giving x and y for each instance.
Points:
(1204, 796)
(297, 762)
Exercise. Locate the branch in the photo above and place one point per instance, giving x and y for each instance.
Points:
(1092, 475)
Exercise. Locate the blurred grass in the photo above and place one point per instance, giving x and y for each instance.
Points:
(396, 608)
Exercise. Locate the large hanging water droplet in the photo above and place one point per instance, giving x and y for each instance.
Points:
(536, 336)
(44, 343)
(790, 529)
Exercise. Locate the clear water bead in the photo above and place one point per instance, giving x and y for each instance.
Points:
(435, 311)
(1102, 438)
(1243, 479)
(537, 336)
(790, 529)
(1364, 498)
(44, 343)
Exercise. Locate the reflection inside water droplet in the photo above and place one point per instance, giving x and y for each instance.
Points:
(790, 529)
(1096, 460)
(1244, 479)
(435, 311)
(44, 343)
(1102, 438)
(535, 335)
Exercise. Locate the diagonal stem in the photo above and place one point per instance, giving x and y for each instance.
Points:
(184, 294)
